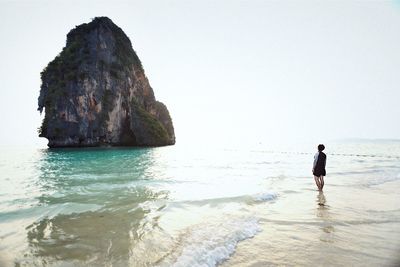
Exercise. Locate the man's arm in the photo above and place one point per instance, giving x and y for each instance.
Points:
(315, 161)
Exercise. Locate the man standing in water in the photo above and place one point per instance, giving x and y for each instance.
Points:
(319, 167)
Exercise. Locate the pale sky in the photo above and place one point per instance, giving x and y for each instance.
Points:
(229, 71)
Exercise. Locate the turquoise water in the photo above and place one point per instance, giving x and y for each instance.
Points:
(203, 206)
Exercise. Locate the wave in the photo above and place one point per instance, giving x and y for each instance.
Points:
(39, 212)
(382, 180)
(265, 196)
(212, 243)
(363, 172)
(386, 156)
(333, 222)
(248, 199)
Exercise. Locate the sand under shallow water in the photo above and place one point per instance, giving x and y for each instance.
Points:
(174, 206)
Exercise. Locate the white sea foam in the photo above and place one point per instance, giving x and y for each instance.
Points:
(265, 196)
(212, 243)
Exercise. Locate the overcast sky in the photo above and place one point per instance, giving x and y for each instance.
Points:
(229, 71)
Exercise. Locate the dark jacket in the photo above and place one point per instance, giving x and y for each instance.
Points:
(319, 164)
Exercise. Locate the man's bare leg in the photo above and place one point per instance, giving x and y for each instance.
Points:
(316, 178)
(321, 182)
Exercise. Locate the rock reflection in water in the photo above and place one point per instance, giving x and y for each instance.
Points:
(95, 216)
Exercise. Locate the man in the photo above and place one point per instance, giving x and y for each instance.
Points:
(319, 167)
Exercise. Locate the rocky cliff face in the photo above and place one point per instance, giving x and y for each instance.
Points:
(95, 92)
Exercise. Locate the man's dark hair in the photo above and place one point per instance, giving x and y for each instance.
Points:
(321, 147)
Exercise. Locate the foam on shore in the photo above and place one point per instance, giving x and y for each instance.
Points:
(212, 243)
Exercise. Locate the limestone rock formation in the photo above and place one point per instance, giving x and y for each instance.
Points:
(95, 93)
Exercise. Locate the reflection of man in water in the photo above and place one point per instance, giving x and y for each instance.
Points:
(321, 199)
(324, 214)
(319, 167)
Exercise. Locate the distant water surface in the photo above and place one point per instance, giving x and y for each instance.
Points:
(200, 206)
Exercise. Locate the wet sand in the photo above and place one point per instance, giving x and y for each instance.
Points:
(341, 226)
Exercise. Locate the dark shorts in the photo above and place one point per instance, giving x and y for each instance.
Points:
(319, 173)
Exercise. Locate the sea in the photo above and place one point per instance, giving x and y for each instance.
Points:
(201, 205)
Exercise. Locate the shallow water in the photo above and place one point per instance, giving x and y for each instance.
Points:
(205, 206)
